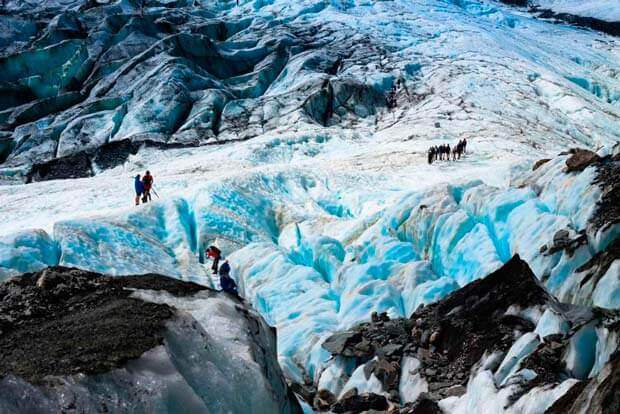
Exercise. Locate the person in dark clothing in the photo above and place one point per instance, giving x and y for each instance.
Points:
(139, 187)
(464, 145)
(448, 152)
(226, 282)
(431, 155)
(215, 254)
(147, 182)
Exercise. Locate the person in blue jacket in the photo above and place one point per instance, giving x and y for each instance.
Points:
(226, 282)
(139, 187)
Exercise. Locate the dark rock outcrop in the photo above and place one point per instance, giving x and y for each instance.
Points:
(423, 405)
(598, 395)
(65, 321)
(452, 337)
(448, 337)
(612, 28)
(580, 159)
(608, 208)
(540, 163)
(78, 341)
(357, 403)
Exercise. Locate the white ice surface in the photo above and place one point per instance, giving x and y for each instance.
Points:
(411, 382)
(608, 10)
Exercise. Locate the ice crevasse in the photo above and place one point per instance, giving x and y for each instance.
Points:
(315, 257)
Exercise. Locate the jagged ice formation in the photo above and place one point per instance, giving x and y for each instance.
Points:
(318, 193)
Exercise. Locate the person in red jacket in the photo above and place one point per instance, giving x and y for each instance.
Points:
(147, 183)
(214, 253)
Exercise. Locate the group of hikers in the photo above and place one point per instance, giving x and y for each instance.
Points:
(390, 98)
(143, 187)
(443, 152)
(226, 282)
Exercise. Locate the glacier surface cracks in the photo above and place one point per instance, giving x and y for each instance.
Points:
(319, 195)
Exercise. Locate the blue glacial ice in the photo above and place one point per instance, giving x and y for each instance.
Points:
(311, 271)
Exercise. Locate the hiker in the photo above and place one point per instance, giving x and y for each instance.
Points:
(139, 187)
(454, 151)
(214, 253)
(227, 283)
(464, 145)
(147, 183)
(391, 98)
(431, 155)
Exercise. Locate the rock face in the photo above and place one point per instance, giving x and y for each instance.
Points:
(580, 159)
(597, 395)
(488, 326)
(90, 74)
(79, 341)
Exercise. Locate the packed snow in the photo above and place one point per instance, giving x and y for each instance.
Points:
(600, 9)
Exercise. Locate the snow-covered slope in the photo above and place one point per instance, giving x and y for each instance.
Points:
(607, 10)
(82, 93)
(319, 194)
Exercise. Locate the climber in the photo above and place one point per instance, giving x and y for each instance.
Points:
(139, 187)
(448, 152)
(464, 145)
(214, 253)
(226, 282)
(147, 182)
(431, 155)
(391, 98)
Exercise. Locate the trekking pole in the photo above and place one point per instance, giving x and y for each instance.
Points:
(155, 192)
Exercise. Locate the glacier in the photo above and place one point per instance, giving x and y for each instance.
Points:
(268, 132)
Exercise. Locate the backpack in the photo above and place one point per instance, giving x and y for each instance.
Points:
(224, 269)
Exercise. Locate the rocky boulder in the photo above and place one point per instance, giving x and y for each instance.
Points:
(79, 341)
(486, 326)
(580, 159)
